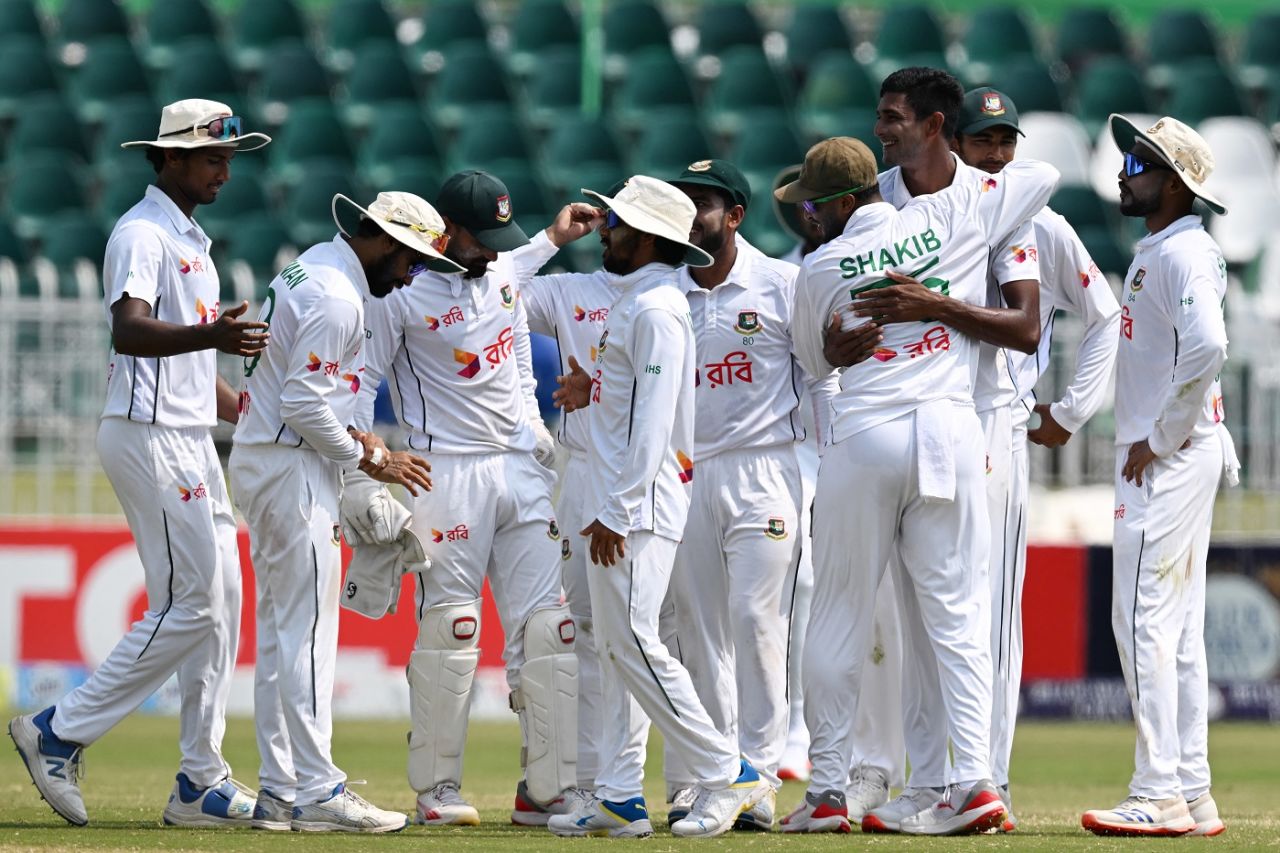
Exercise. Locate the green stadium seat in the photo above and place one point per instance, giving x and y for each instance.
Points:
(1175, 37)
(553, 91)
(129, 120)
(531, 209)
(47, 123)
(1029, 82)
(747, 83)
(726, 25)
(578, 149)
(656, 83)
(996, 35)
(293, 74)
(447, 25)
(417, 175)
(41, 185)
(12, 246)
(1109, 84)
(352, 25)
(308, 210)
(1260, 54)
(761, 228)
(254, 248)
(1088, 32)
(260, 26)
(905, 32)
(83, 21)
(25, 71)
(1083, 208)
(379, 78)
(170, 25)
(491, 138)
(110, 70)
(313, 132)
(204, 69)
(242, 196)
(70, 237)
(400, 133)
(1105, 249)
(857, 122)
(836, 84)
(123, 187)
(669, 143)
(539, 26)
(771, 145)
(472, 78)
(633, 25)
(19, 18)
(1201, 89)
(815, 31)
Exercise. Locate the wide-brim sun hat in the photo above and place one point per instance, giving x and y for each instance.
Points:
(1179, 146)
(408, 220)
(197, 123)
(656, 207)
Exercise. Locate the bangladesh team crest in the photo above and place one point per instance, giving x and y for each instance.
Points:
(600, 347)
(553, 529)
(776, 528)
(748, 323)
(1136, 284)
(992, 105)
(504, 208)
(566, 550)
(508, 297)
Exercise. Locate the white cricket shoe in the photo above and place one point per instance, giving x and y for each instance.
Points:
(819, 813)
(1141, 816)
(604, 818)
(272, 813)
(1204, 811)
(55, 765)
(444, 806)
(961, 810)
(227, 804)
(889, 817)
(714, 812)
(1010, 822)
(346, 811)
(759, 818)
(868, 789)
(680, 804)
(529, 812)
(794, 765)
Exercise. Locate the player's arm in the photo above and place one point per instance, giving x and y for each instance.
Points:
(574, 221)
(384, 336)
(228, 401)
(818, 341)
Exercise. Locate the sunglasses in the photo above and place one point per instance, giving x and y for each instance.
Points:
(223, 128)
(811, 205)
(611, 219)
(1135, 165)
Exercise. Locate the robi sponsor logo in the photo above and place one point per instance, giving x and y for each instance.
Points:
(206, 315)
(186, 495)
(185, 267)
(686, 467)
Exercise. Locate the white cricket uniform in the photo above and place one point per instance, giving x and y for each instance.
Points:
(290, 450)
(457, 350)
(572, 308)
(1013, 257)
(156, 450)
(640, 469)
(1173, 342)
(742, 540)
(904, 470)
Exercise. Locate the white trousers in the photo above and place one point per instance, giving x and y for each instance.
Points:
(169, 483)
(289, 498)
(1157, 612)
(741, 544)
(868, 507)
(640, 674)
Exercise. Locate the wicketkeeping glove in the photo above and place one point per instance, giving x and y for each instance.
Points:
(545, 449)
(369, 515)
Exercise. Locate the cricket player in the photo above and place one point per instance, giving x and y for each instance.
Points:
(1172, 445)
(641, 423)
(163, 395)
(987, 139)
(291, 450)
(457, 349)
(916, 466)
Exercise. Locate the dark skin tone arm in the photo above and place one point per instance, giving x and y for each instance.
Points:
(135, 332)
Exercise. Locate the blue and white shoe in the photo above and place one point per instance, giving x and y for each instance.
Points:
(346, 811)
(55, 765)
(597, 817)
(714, 811)
(225, 804)
(272, 813)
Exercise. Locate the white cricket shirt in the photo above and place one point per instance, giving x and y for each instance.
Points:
(1173, 340)
(640, 450)
(158, 254)
(301, 390)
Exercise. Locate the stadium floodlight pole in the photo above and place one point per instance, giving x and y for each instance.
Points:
(592, 56)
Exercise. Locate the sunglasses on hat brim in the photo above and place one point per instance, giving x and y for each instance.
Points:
(439, 242)
(221, 129)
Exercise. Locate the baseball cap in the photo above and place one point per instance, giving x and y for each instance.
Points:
(479, 202)
(197, 123)
(720, 174)
(408, 220)
(656, 207)
(1181, 148)
(987, 107)
(831, 166)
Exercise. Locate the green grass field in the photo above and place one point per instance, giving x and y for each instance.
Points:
(1060, 769)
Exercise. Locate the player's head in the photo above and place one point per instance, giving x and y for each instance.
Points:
(647, 221)
(480, 218)
(837, 177)
(792, 216)
(1165, 168)
(192, 151)
(987, 134)
(917, 114)
(721, 193)
(398, 237)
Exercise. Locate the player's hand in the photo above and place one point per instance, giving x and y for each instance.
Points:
(845, 349)
(607, 547)
(575, 388)
(574, 221)
(237, 337)
(906, 301)
(1140, 457)
(370, 443)
(1050, 433)
(406, 469)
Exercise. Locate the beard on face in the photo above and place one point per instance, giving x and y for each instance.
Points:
(616, 258)
(1133, 204)
(382, 277)
(712, 241)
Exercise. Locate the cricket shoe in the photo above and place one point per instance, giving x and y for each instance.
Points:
(529, 812)
(444, 806)
(889, 817)
(825, 812)
(868, 789)
(680, 804)
(794, 766)
(1010, 822)
(1141, 816)
(346, 811)
(226, 804)
(272, 813)
(55, 765)
(759, 818)
(961, 810)
(1204, 811)
(714, 811)
(604, 818)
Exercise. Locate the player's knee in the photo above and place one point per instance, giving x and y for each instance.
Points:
(549, 631)
(450, 626)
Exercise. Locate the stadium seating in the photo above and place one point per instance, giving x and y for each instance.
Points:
(378, 79)
(171, 24)
(352, 25)
(262, 25)
(539, 26)
(813, 32)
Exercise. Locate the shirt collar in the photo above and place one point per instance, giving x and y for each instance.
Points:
(1185, 223)
(739, 273)
(633, 280)
(355, 270)
(868, 214)
(901, 195)
(182, 223)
